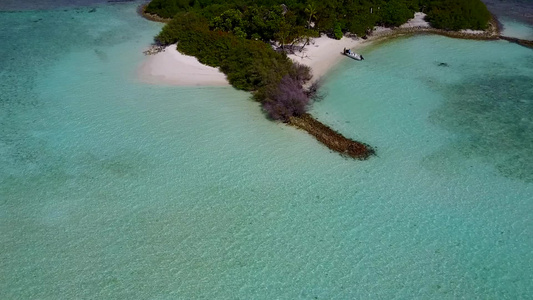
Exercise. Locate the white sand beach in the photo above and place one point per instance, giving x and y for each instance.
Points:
(323, 53)
(417, 22)
(173, 68)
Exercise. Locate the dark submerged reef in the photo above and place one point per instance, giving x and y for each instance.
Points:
(332, 139)
(494, 115)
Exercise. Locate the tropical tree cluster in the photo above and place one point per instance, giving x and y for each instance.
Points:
(266, 17)
(458, 14)
(249, 64)
(236, 36)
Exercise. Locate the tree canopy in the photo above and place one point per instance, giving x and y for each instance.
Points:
(263, 17)
(458, 14)
(235, 35)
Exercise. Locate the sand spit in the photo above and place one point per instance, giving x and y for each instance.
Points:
(170, 67)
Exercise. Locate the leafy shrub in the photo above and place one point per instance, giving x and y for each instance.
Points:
(248, 64)
(286, 100)
(458, 14)
(337, 32)
(395, 13)
(167, 8)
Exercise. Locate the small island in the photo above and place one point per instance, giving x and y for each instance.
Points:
(264, 47)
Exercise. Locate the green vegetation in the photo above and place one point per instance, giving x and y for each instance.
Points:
(458, 14)
(355, 16)
(236, 36)
(250, 65)
(395, 13)
(337, 32)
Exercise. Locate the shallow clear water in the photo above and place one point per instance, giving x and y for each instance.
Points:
(516, 29)
(110, 188)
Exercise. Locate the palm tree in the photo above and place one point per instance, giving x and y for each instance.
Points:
(311, 10)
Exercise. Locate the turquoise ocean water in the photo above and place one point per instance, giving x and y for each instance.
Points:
(114, 189)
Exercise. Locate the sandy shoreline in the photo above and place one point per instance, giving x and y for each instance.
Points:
(322, 54)
(170, 67)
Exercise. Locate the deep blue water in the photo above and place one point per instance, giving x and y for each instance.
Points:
(520, 10)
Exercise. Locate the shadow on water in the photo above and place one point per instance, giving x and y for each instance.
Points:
(493, 118)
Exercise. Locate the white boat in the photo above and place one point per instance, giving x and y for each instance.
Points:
(352, 54)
